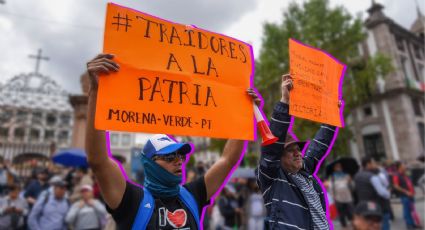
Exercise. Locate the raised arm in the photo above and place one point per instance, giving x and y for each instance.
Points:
(232, 152)
(319, 146)
(107, 172)
(269, 165)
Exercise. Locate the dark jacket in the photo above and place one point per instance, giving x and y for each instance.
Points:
(286, 206)
(366, 192)
(227, 207)
(364, 188)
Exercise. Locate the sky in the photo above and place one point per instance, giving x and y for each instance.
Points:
(70, 32)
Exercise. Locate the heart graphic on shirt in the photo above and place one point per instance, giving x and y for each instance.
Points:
(177, 218)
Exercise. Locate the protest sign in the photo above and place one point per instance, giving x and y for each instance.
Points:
(317, 78)
(174, 79)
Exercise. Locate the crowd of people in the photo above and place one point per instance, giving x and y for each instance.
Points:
(284, 192)
(238, 206)
(51, 198)
(69, 198)
(377, 183)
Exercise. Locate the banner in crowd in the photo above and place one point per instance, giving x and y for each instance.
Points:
(317, 80)
(174, 79)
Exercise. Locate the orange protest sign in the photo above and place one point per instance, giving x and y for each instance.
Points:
(317, 82)
(174, 79)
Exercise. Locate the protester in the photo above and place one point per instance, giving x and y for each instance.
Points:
(340, 188)
(200, 169)
(13, 209)
(369, 187)
(7, 177)
(367, 216)
(50, 209)
(229, 208)
(404, 189)
(292, 196)
(163, 202)
(384, 178)
(81, 177)
(255, 210)
(190, 175)
(36, 186)
(86, 213)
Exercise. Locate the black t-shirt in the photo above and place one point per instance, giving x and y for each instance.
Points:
(168, 214)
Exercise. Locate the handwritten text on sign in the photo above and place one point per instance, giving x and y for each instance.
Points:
(174, 79)
(317, 78)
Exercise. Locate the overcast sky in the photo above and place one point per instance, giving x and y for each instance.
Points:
(70, 32)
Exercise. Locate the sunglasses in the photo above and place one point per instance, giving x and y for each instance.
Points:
(172, 157)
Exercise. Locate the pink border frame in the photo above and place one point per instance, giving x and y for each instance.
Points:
(341, 117)
(190, 154)
(255, 131)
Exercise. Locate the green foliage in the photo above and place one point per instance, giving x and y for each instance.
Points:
(315, 23)
(217, 144)
(191, 162)
(251, 159)
(362, 85)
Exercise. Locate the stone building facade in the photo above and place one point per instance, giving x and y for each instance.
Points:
(121, 143)
(35, 116)
(391, 124)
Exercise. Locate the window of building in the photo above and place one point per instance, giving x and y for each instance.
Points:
(19, 134)
(421, 128)
(51, 119)
(418, 51)
(21, 116)
(4, 133)
(374, 146)
(421, 73)
(367, 110)
(126, 140)
(114, 139)
(417, 108)
(36, 118)
(400, 43)
(65, 119)
(407, 68)
(63, 136)
(5, 116)
(49, 135)
(34, 135)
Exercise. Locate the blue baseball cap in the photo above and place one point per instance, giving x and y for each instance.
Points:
(161, 144)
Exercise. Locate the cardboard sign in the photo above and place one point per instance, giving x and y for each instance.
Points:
(174, 79)
(317, 78)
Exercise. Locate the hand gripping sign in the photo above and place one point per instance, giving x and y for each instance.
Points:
(174, 79)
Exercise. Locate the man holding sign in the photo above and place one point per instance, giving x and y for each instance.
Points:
(292, 195)
(162, 203)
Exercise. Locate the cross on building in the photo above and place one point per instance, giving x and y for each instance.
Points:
(38, 58)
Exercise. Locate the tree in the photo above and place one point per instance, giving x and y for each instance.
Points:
(331, 29)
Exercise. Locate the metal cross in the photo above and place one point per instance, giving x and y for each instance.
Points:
(38, 57)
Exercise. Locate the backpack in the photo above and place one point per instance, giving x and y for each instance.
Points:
(46, 199)
(147, 206)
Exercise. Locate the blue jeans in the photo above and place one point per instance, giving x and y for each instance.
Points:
(386, 221)
(407, 211)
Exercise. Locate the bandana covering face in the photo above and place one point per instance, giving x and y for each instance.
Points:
(339, 174)
(159, 181)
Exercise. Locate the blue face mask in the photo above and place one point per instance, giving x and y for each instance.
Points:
(159, 181)
(339, 174)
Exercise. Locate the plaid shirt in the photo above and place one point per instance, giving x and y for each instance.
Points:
(287, 206)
